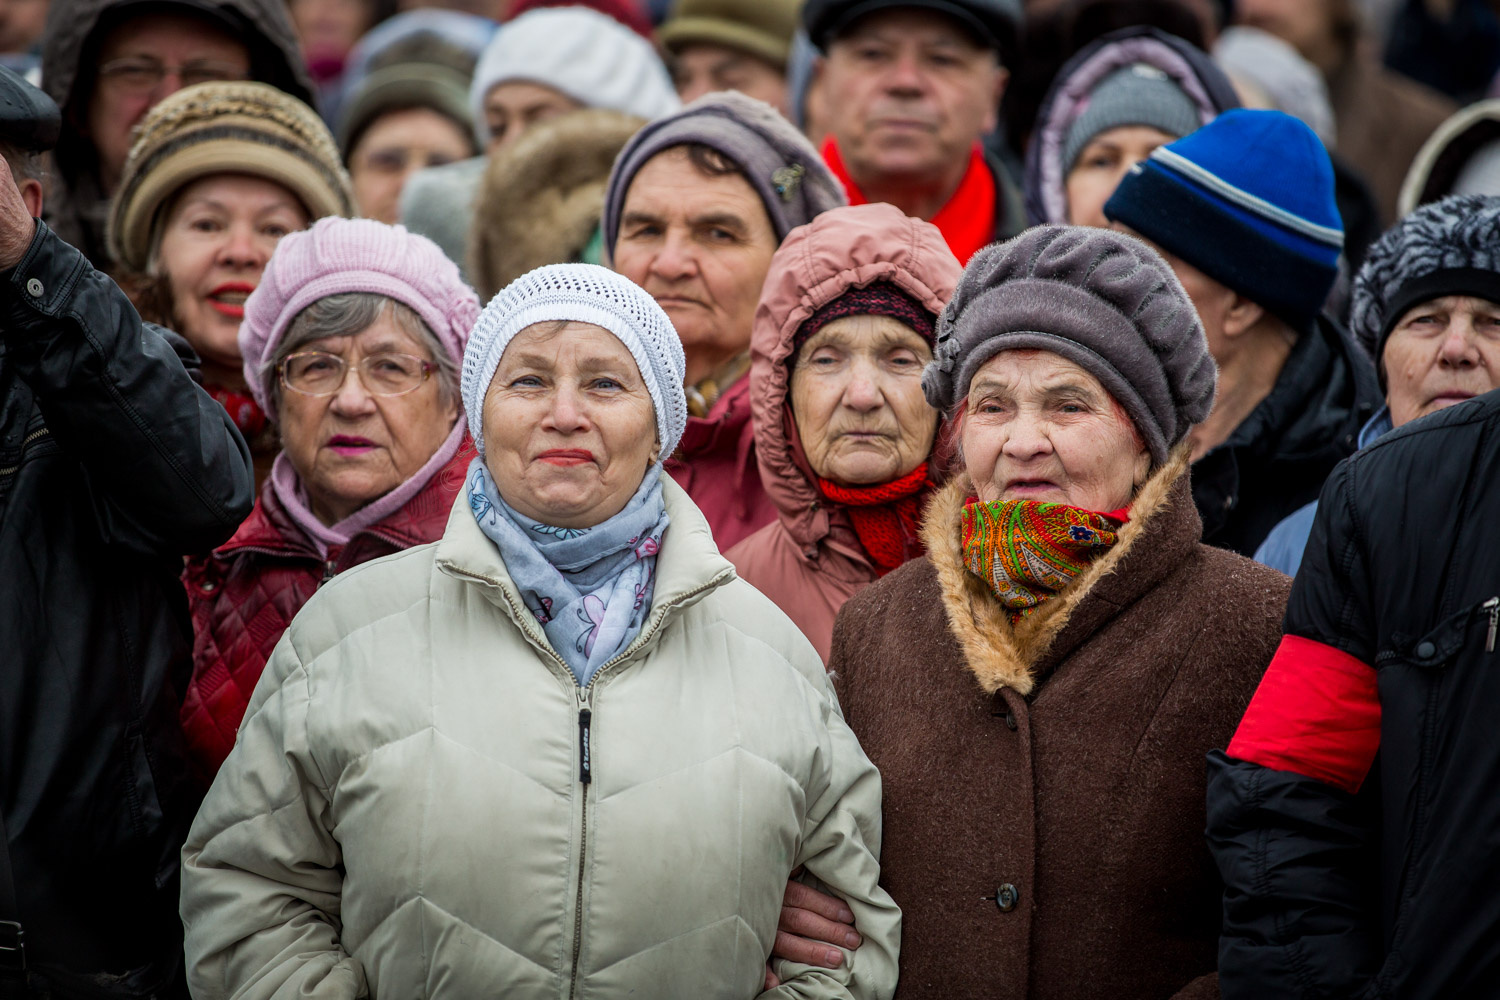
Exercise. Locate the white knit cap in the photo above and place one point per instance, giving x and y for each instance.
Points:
(588, 56)
(580, 293)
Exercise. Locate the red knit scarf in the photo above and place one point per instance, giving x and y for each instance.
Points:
(1028, 550)
(886, 518)
(967, 221)
(243, 410)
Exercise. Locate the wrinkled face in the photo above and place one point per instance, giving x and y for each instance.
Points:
(513, 107)
(217, 237)
(1036, 426)
(700, 68)
(1101, 164)
(908, 92)
(395, 146)
(21, 23)
(701, 247)
(569, 427)
(856, 397)
(1440, 353)
(130, 81)
(354, 447)
(328, 29)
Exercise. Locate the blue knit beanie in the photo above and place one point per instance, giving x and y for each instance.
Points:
(1248, 200)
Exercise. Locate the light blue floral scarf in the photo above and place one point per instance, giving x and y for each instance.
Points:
(590, 588)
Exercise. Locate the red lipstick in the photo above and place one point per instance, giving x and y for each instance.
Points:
(229, 298)
(566, 456)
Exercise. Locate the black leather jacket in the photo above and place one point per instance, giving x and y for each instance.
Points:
(114, 464)
(1390, 892)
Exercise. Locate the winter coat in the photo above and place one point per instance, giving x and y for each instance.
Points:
(1340, 880)
(113, 466)
(1275, 461)
(1445, 154)
(540, 199)
(1044, 782)
(1383, 119)
(715, 462)
(418, 766)
(809, 560)
(1192, 69)
(77, 205)
(244, 594)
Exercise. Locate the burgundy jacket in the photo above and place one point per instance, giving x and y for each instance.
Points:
(245, 593)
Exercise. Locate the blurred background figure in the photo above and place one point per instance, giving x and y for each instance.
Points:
(909, 91)
(327, 30)
(107, 62)
(542, 196)
(542, 64)
(219, 173)
(1109, 107)
(21, 25)
(736, 45)
(406, 103)
(1461, 157)
(843, 434)
(352, 346)
(696, 206)
(1382, 117)
(114, 465)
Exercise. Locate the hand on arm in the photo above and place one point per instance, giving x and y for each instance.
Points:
(810, 922)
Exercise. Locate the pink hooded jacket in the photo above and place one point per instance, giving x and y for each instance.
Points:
(810, 561)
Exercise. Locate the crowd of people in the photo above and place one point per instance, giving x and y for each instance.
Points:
(789, 498)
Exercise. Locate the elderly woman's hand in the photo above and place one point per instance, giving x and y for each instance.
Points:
(810, 922)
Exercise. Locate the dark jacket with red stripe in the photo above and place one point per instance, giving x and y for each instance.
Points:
(1356, 816)
(245, 593)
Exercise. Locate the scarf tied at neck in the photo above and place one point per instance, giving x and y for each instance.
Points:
(589, 588)
(1029, 550)
(887, 518)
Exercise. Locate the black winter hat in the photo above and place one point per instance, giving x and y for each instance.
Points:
(29, 119)
(996, 23)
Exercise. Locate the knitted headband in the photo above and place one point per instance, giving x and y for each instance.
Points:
(879, 299)
(580, 293)
(223, 128)
(337, 256)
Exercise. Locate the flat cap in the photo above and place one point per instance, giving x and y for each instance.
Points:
(29, 119)
(994, 23)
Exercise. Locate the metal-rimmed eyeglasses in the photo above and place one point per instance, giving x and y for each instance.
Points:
(318, 373)
(140, 74)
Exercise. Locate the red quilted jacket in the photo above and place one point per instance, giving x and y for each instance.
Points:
(244, 594)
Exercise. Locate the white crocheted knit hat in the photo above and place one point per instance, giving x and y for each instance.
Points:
(580, 293)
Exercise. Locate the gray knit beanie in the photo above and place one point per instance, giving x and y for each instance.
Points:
(781, 165)
(1139, 94)
(1105, 301)
(1448, 247)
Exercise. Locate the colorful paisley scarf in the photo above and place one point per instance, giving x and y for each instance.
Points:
(1029, 550)
(887, 517)
(590, 588)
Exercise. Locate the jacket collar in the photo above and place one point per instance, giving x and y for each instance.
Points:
(688, 566)
(1162, 529)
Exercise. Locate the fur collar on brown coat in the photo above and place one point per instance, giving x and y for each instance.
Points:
(540, 200)
(1002, 654)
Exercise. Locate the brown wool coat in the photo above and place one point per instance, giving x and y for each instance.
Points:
(1061, 760)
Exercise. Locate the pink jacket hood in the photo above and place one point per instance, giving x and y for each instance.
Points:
(841, 249)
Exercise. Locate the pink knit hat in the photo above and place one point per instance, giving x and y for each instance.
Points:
(352, 255)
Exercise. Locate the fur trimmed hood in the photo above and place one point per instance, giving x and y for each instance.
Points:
(540, 201)
(1163, 525)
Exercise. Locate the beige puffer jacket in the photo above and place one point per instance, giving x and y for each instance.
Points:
(405, 812)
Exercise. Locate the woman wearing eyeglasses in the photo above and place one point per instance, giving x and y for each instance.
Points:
(218, 173)
(352, 345)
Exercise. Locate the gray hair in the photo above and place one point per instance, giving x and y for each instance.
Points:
(349, 313)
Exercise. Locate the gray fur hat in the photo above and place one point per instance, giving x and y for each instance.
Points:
(786, 171)
(1103, 300)
(1448, 247)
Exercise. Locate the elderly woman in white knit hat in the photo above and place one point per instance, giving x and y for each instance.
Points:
(564, 747)
(218, 173)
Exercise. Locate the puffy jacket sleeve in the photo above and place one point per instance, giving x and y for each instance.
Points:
(1287, 826)
(168, 471)
(261, 875)
(841, 854)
